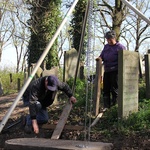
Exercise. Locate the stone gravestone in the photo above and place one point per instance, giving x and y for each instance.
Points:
(70, 62)
(147, 74)
(128, 76)
(52, 71)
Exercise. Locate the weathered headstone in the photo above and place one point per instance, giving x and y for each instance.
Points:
(39, 71)
(128, 75)
(70, 62)
(147, 74)
(52, 71)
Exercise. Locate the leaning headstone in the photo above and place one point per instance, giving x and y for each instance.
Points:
(147, 74)
(128, 76)
(52, 71)
(38, 72)
(70, 63)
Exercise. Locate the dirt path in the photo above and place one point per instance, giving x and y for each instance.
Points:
(16, 131)
(5, 104)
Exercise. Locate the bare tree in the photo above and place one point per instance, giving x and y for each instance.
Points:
(138, 30)
(113, 15)
(13, 29)
(5, 27)
(64, 38)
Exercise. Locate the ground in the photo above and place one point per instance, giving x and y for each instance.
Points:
(138, 141)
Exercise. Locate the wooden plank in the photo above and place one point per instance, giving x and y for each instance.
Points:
(66, 127)
(62, 121)
(97, 119)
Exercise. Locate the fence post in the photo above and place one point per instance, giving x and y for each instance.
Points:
(97, 86)
(11, 80)
(18, 83)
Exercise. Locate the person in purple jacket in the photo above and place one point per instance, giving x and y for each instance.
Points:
(109, 56)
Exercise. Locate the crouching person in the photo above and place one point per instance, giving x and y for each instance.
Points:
(41, 94)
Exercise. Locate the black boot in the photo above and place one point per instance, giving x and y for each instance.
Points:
(114, 101)
(106, 101)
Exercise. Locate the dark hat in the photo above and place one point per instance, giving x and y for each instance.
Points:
(110, 34)
(52, 83)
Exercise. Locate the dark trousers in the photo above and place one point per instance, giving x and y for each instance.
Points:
(110, 88)
(42, 117)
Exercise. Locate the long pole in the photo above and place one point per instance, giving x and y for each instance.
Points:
(136, 11)
(81, 44)
(6, 117)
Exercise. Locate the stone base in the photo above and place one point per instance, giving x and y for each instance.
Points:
(48, 144)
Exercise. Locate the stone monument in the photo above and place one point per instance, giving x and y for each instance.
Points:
(70, 63)
(147, 74)
(128, 76)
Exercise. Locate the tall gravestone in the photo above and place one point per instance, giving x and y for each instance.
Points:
(70, 64)
(128, 76)
(147, 74)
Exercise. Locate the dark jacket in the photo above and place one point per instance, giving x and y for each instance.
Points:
(37, 92)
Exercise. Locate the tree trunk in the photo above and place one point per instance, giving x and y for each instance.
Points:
(118, 16)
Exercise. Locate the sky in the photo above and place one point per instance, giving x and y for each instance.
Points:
(8, 59)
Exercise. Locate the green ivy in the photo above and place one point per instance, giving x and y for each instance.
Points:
(80, 91)
(45, 19)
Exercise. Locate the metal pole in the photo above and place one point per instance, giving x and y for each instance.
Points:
(6, 117)
(136, 11)
(81, 44)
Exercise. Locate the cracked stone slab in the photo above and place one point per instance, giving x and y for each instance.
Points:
(49, 144)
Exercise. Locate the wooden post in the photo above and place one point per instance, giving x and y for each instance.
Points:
(25, 74)
(1, 87)
(18, 84)
(11, 80)
(97, 84)
(64, 68)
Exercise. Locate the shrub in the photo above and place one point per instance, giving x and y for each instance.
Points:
(80, 91)
(139, 121)
(142, 90)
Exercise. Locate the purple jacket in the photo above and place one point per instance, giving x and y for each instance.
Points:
(109, 56)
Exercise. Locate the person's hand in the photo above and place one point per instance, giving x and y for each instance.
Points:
(72, 100)
(35, 126)
(98, 58)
